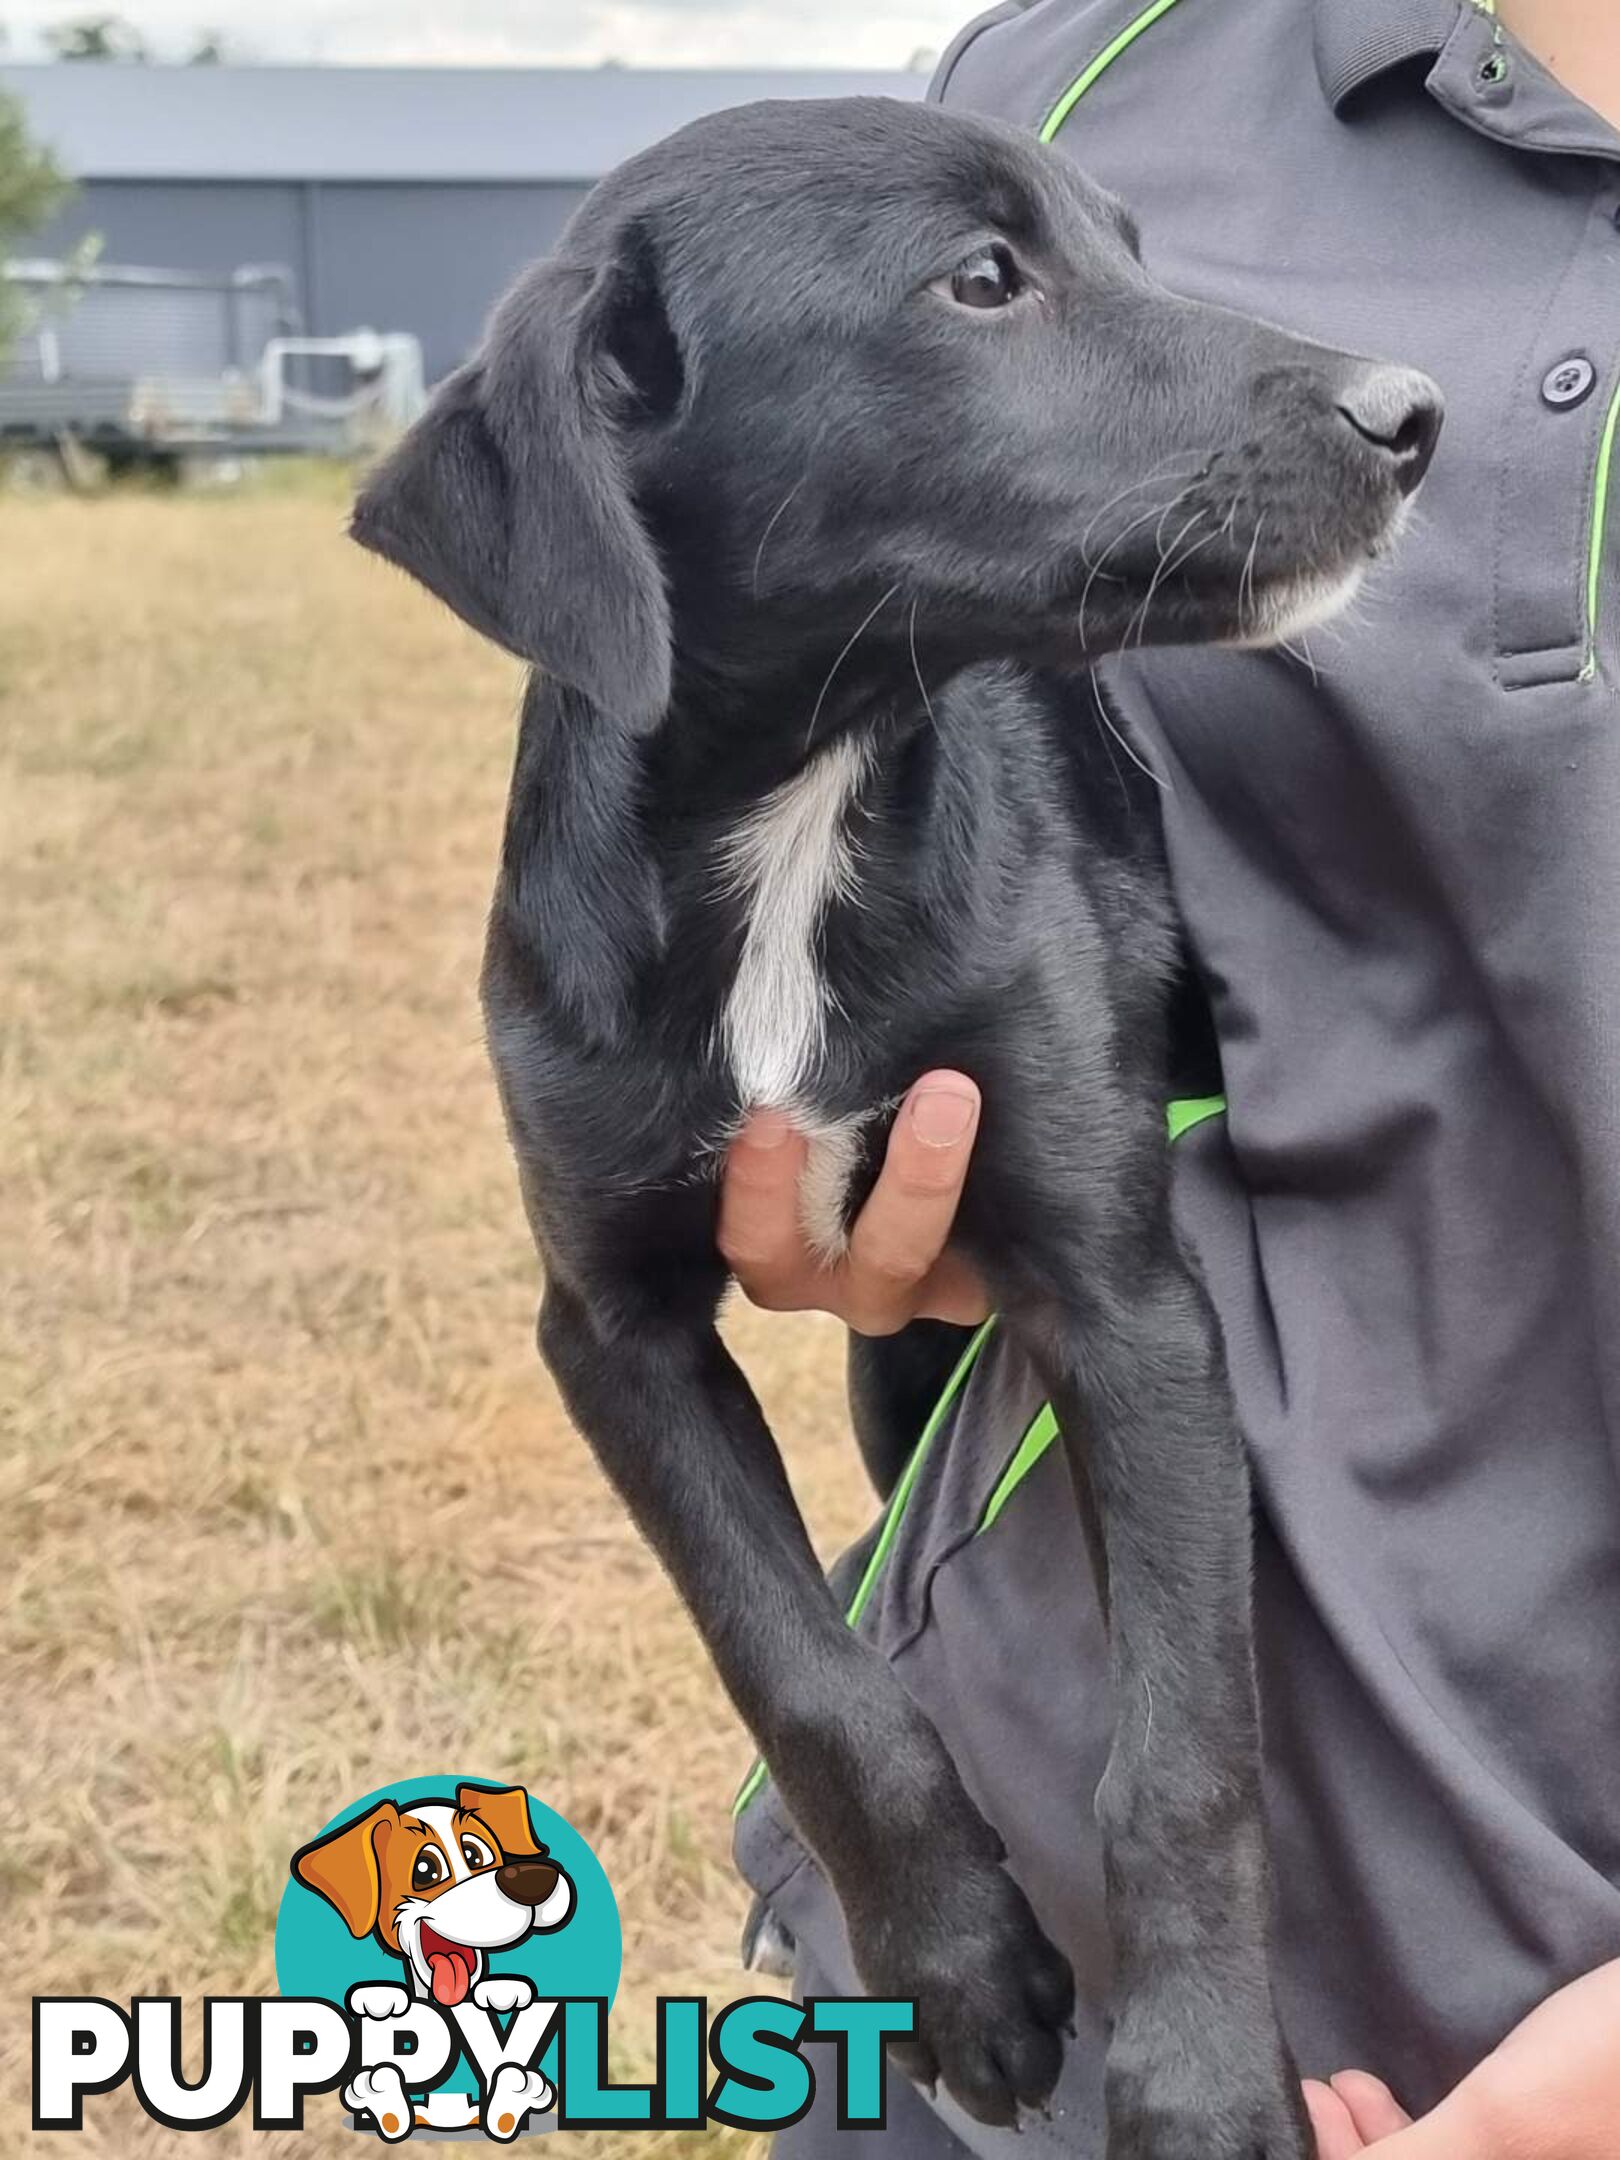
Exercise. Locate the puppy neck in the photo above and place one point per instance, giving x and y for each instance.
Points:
(578, 906)
(614, 840)
(737, 734)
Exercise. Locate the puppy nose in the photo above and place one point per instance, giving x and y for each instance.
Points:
(526, 1882)
(1399, 412)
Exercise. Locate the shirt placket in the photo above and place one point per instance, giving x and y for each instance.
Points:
(1557, 545)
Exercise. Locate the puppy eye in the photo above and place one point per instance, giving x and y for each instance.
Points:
(476, 1853)
(429, 1869)
(989, 279)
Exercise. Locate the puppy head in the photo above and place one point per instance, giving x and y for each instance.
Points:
(440, 1884)
(812, 365)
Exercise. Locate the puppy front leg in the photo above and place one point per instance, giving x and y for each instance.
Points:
(894, 1382)
(1197, 2067)
(932, 1915)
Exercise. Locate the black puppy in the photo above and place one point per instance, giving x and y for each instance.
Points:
(809, 472)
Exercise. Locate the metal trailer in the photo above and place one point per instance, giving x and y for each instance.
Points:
(158, 366)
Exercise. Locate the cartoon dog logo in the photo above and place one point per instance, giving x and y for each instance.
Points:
(440, 1886)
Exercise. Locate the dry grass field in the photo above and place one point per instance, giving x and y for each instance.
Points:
(291, 1511)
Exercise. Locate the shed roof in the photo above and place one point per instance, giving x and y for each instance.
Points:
(111, 121)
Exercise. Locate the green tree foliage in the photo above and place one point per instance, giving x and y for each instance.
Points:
(96, 37)
(32, 186)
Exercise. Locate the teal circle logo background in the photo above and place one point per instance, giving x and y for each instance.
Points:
(316, 1954)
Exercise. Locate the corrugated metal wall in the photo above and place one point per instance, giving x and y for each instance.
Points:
(430, 258)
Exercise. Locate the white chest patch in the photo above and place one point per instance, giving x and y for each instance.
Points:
(786, 861)
(835, 1149)
(788, 858)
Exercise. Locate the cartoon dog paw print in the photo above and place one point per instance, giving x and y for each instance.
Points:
(513, 2094)
(381, 2094)
(504, 1991)
(381, 1999)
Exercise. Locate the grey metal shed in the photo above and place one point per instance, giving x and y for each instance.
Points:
(400, 198)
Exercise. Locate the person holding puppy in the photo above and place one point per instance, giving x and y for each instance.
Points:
(1396, 856)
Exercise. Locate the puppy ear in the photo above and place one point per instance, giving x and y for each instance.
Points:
(342, 1868)
(504, 1812)
(511, 497)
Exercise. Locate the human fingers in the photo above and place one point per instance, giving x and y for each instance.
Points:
(758, 1230)
(899, 1237)
(1373, 2108)
(1337, 2137)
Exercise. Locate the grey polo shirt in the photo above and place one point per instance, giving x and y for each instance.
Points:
(1400, 865)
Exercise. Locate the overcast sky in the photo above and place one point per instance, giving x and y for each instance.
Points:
(642, 33)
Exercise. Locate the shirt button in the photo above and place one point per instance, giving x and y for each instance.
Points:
(1569, 383)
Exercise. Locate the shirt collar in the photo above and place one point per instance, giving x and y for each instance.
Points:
(1358, 39)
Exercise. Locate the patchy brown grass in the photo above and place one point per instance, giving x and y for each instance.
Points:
(294, 1512)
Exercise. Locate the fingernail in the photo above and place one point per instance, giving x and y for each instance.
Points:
(768, 1129)
(941, 1116)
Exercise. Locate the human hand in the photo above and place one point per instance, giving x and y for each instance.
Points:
(898, 1267)
(1551, 2091)
(1352, 2112)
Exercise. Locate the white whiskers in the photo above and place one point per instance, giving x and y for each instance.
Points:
(810, 731)
(776, 518)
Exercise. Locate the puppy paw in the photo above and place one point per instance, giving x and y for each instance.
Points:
(504, 1991)
(1188, 2080)
(994, 1998)
(380, 2093)
(380, 1999)
(513, 2094)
